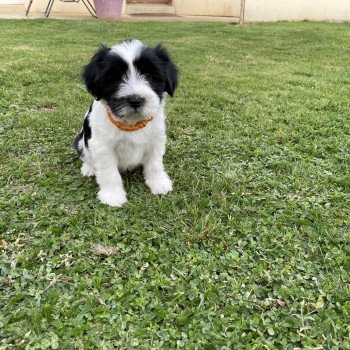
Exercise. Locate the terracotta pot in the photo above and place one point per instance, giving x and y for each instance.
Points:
(108, 9)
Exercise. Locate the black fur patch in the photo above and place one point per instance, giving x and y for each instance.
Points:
(76, 143)
(84, 133)
(171, 71)
(104, 73)
(159, 70)
(87, 131)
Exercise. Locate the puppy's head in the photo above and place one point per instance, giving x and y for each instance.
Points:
(131, 78)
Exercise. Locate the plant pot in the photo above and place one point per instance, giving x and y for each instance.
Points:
(108, 9)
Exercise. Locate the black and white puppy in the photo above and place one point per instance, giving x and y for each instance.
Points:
(125, 125)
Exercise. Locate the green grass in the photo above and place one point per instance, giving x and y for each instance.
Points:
(250, 251)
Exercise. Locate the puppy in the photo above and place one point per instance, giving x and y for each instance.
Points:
(125, 125)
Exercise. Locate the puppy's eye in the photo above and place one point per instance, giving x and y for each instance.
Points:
(148, 69)
(153, 77)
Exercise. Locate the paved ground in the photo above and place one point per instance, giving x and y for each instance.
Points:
(125, 18)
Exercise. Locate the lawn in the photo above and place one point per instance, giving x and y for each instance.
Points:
(251, 249)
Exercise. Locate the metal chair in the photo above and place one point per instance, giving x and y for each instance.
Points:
(87, 4)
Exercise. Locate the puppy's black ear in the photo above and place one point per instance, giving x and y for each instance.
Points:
(170, 70)
(93, 73)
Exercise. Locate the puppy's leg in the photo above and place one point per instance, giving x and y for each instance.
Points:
(87, 169)
(107, 176)
(155, 176)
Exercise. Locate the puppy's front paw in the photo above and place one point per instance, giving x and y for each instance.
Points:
(160, 184)
(112, 198)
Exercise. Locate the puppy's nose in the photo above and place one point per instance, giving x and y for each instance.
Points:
(135, 101)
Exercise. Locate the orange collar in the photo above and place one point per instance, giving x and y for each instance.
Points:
(139, 125)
